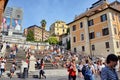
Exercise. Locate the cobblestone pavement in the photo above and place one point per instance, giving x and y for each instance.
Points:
(49, 77)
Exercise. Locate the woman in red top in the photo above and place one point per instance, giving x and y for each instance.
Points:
(28, 62)
(72, 71)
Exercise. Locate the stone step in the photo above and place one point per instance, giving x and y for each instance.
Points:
(9, 64)
(49, 66)
(52, 72)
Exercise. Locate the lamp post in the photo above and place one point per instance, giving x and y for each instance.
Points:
(42, 34)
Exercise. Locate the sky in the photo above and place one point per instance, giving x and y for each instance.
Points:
(51, 10)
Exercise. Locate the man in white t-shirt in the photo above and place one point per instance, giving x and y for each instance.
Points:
(2, 67)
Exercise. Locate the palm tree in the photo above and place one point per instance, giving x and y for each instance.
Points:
(43, 24)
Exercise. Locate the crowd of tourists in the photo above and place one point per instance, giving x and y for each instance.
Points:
(3, 60)
(89, 70)
(77, 65)
(2, 65)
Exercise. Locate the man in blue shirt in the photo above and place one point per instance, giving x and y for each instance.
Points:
(109, 72)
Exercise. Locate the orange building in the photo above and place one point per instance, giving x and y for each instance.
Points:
(97, 31)
(3, 4)
(37, 33)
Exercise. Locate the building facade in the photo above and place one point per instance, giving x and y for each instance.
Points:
(97, 31)
(65, 40)
(3, 4)
(58, 28)
(38, 33)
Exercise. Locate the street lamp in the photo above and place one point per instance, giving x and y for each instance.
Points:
(43, 24)
(42, 34)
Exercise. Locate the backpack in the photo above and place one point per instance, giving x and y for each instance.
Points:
(86, 71)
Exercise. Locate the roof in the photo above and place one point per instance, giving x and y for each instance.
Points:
(33, 26)
(115, 2)
(116, 5)
(96, 10)
(37, 27)
(58, 21)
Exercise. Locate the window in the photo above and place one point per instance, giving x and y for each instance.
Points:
(113, 16)
(63, 30)
(115, 30)
(105, 31)
(62, 26)
(82, 37)
(75, 50)
(117, 44)
(90, 22)
(91, 35)
(81, 25)
(74, 27)
(93, 47)
(103, 17)
(83, 48)
(107, 45)
(18, 16)
(74, 39)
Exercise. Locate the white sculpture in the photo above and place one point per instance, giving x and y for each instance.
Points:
(32, 63)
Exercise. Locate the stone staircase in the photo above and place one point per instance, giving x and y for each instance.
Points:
(19, 56)
(48, 65)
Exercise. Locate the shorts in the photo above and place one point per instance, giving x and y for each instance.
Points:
(12, 70)
(79, 70)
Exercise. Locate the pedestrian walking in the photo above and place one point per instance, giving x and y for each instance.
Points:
(2, 67)
(88, 70)
(42, 73)
(12, 69)
(109, 71)
(79, 68)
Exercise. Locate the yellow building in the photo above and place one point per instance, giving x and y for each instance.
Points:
(97, 31)
(38, 33)
(58, 28)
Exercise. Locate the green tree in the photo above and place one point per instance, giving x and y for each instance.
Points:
(43, 23)
(52, 40)
(30, 36)
(68, 31)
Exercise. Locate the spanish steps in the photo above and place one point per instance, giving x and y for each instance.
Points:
(21, 56)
